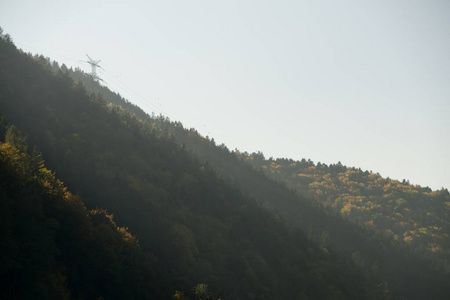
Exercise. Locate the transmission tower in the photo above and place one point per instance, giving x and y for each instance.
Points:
(94, 64)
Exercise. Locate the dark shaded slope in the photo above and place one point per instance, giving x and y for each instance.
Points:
(382, 258)
(54, 248)
(200, 228)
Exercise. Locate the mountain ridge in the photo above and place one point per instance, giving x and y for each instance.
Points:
(199, 228)
(207, 150)
(141, 172)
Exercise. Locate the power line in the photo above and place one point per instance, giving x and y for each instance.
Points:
(157, 107)
(149, 105)
(131, 92)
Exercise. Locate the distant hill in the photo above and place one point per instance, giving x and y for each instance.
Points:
(195, 228)
(407, 213)
(387, 261)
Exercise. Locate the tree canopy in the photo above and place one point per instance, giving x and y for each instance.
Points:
(202, 216)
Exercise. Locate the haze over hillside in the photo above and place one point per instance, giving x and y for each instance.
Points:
(363, 83)
(235, 150)
(201, 214)
(193, 227)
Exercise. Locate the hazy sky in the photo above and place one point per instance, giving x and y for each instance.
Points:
(366, 83)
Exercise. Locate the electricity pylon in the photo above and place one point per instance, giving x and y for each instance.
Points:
(94, 64)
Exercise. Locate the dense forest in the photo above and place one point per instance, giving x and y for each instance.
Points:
(53, 247)
(405, 212)
(193, 227)
(391, 263)
(205, 219)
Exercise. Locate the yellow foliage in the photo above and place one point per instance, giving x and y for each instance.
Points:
(275, 166)
(346, 210)
(306, 176)
(423, 230)
(178, 295)
(126, 235)
(408, 239)
(435, 248)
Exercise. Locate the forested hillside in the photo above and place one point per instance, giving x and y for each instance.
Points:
(405, 212)
(193, 226)
(385, 259)
(52, 246)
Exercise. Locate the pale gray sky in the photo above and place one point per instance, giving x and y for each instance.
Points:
(366, 83)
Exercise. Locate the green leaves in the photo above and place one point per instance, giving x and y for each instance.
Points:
(14, 137)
